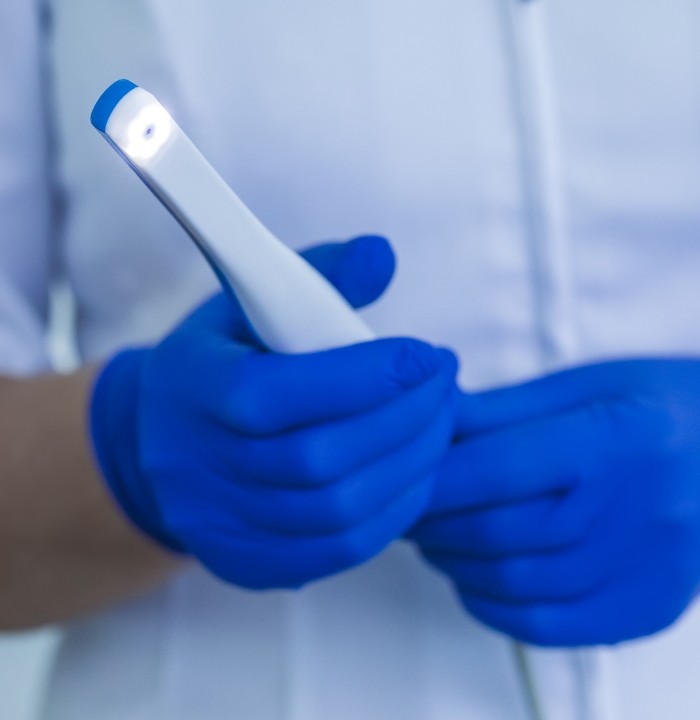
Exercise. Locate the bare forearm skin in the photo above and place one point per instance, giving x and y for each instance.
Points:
(65, 547)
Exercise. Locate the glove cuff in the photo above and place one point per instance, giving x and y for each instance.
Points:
(113, 429)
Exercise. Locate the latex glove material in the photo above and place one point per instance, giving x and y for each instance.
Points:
(569, 513)
(275, 470)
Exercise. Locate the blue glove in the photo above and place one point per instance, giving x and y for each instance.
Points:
(569, 512)
(275, 470)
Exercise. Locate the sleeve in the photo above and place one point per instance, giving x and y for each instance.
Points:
(25, 191)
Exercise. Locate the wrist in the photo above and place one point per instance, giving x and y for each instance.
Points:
(114, 432)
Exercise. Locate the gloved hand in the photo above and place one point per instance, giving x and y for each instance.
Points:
(275, 470)
(569, 513)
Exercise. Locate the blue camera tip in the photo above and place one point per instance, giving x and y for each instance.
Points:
(109, 99)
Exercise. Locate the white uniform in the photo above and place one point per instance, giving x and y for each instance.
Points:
(537, 166)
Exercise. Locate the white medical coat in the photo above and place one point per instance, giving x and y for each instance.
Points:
(537, 166)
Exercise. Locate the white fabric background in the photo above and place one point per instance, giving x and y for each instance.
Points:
(24, 660)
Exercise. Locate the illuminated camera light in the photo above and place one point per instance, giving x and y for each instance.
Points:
(148, 132)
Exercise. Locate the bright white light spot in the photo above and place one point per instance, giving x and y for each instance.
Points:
(148, 132)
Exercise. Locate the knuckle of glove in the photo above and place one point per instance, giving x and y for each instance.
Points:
(312, 460)
(248, 405)
(349, 550)
(342, 510)
(537, 627)
(513, 579)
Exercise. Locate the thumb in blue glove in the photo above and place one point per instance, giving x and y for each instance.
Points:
(275, 470)
(569, 512)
